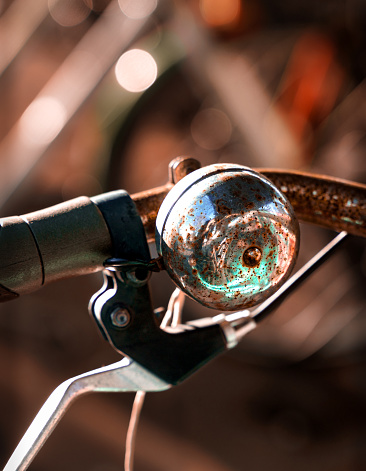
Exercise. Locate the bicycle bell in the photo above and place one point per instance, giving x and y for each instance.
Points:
(228, 237)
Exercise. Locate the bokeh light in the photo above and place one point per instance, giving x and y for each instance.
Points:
(68, 12)
(211, 129)
(136, 70)
(218, 13)
(137, 8)
(42, 121)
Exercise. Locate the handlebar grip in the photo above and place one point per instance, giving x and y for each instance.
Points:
(65, 240)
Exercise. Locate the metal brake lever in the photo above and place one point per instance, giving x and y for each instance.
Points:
(206, 338)
(125, 375)
(156, 357)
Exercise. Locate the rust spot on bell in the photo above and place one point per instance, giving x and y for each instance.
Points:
(243, 237)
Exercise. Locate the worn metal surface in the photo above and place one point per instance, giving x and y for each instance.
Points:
(228, 237)
(148, 204)
(182, 166)
(328, 202)
(73, 238)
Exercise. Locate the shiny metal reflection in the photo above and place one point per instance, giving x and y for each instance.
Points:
(206, 226)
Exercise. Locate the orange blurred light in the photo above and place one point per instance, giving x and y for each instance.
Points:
(219, 13)
(311, 82)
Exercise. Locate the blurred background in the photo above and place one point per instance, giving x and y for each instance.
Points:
(98, 95)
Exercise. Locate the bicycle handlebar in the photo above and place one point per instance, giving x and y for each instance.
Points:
(69, 239)
(73, 238)
(332, 203)
(328, 202)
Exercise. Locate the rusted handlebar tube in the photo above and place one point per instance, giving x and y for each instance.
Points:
(73, 238)
(332, 203)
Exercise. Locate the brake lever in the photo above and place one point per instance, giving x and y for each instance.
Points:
(156, 358)
(124, 313)
(123, 376)
(127, 375)
(206, 337)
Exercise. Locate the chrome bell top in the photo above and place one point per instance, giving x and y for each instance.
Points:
(229, 238)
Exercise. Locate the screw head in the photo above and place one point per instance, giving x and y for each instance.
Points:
(120, 317)
(252, 256)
